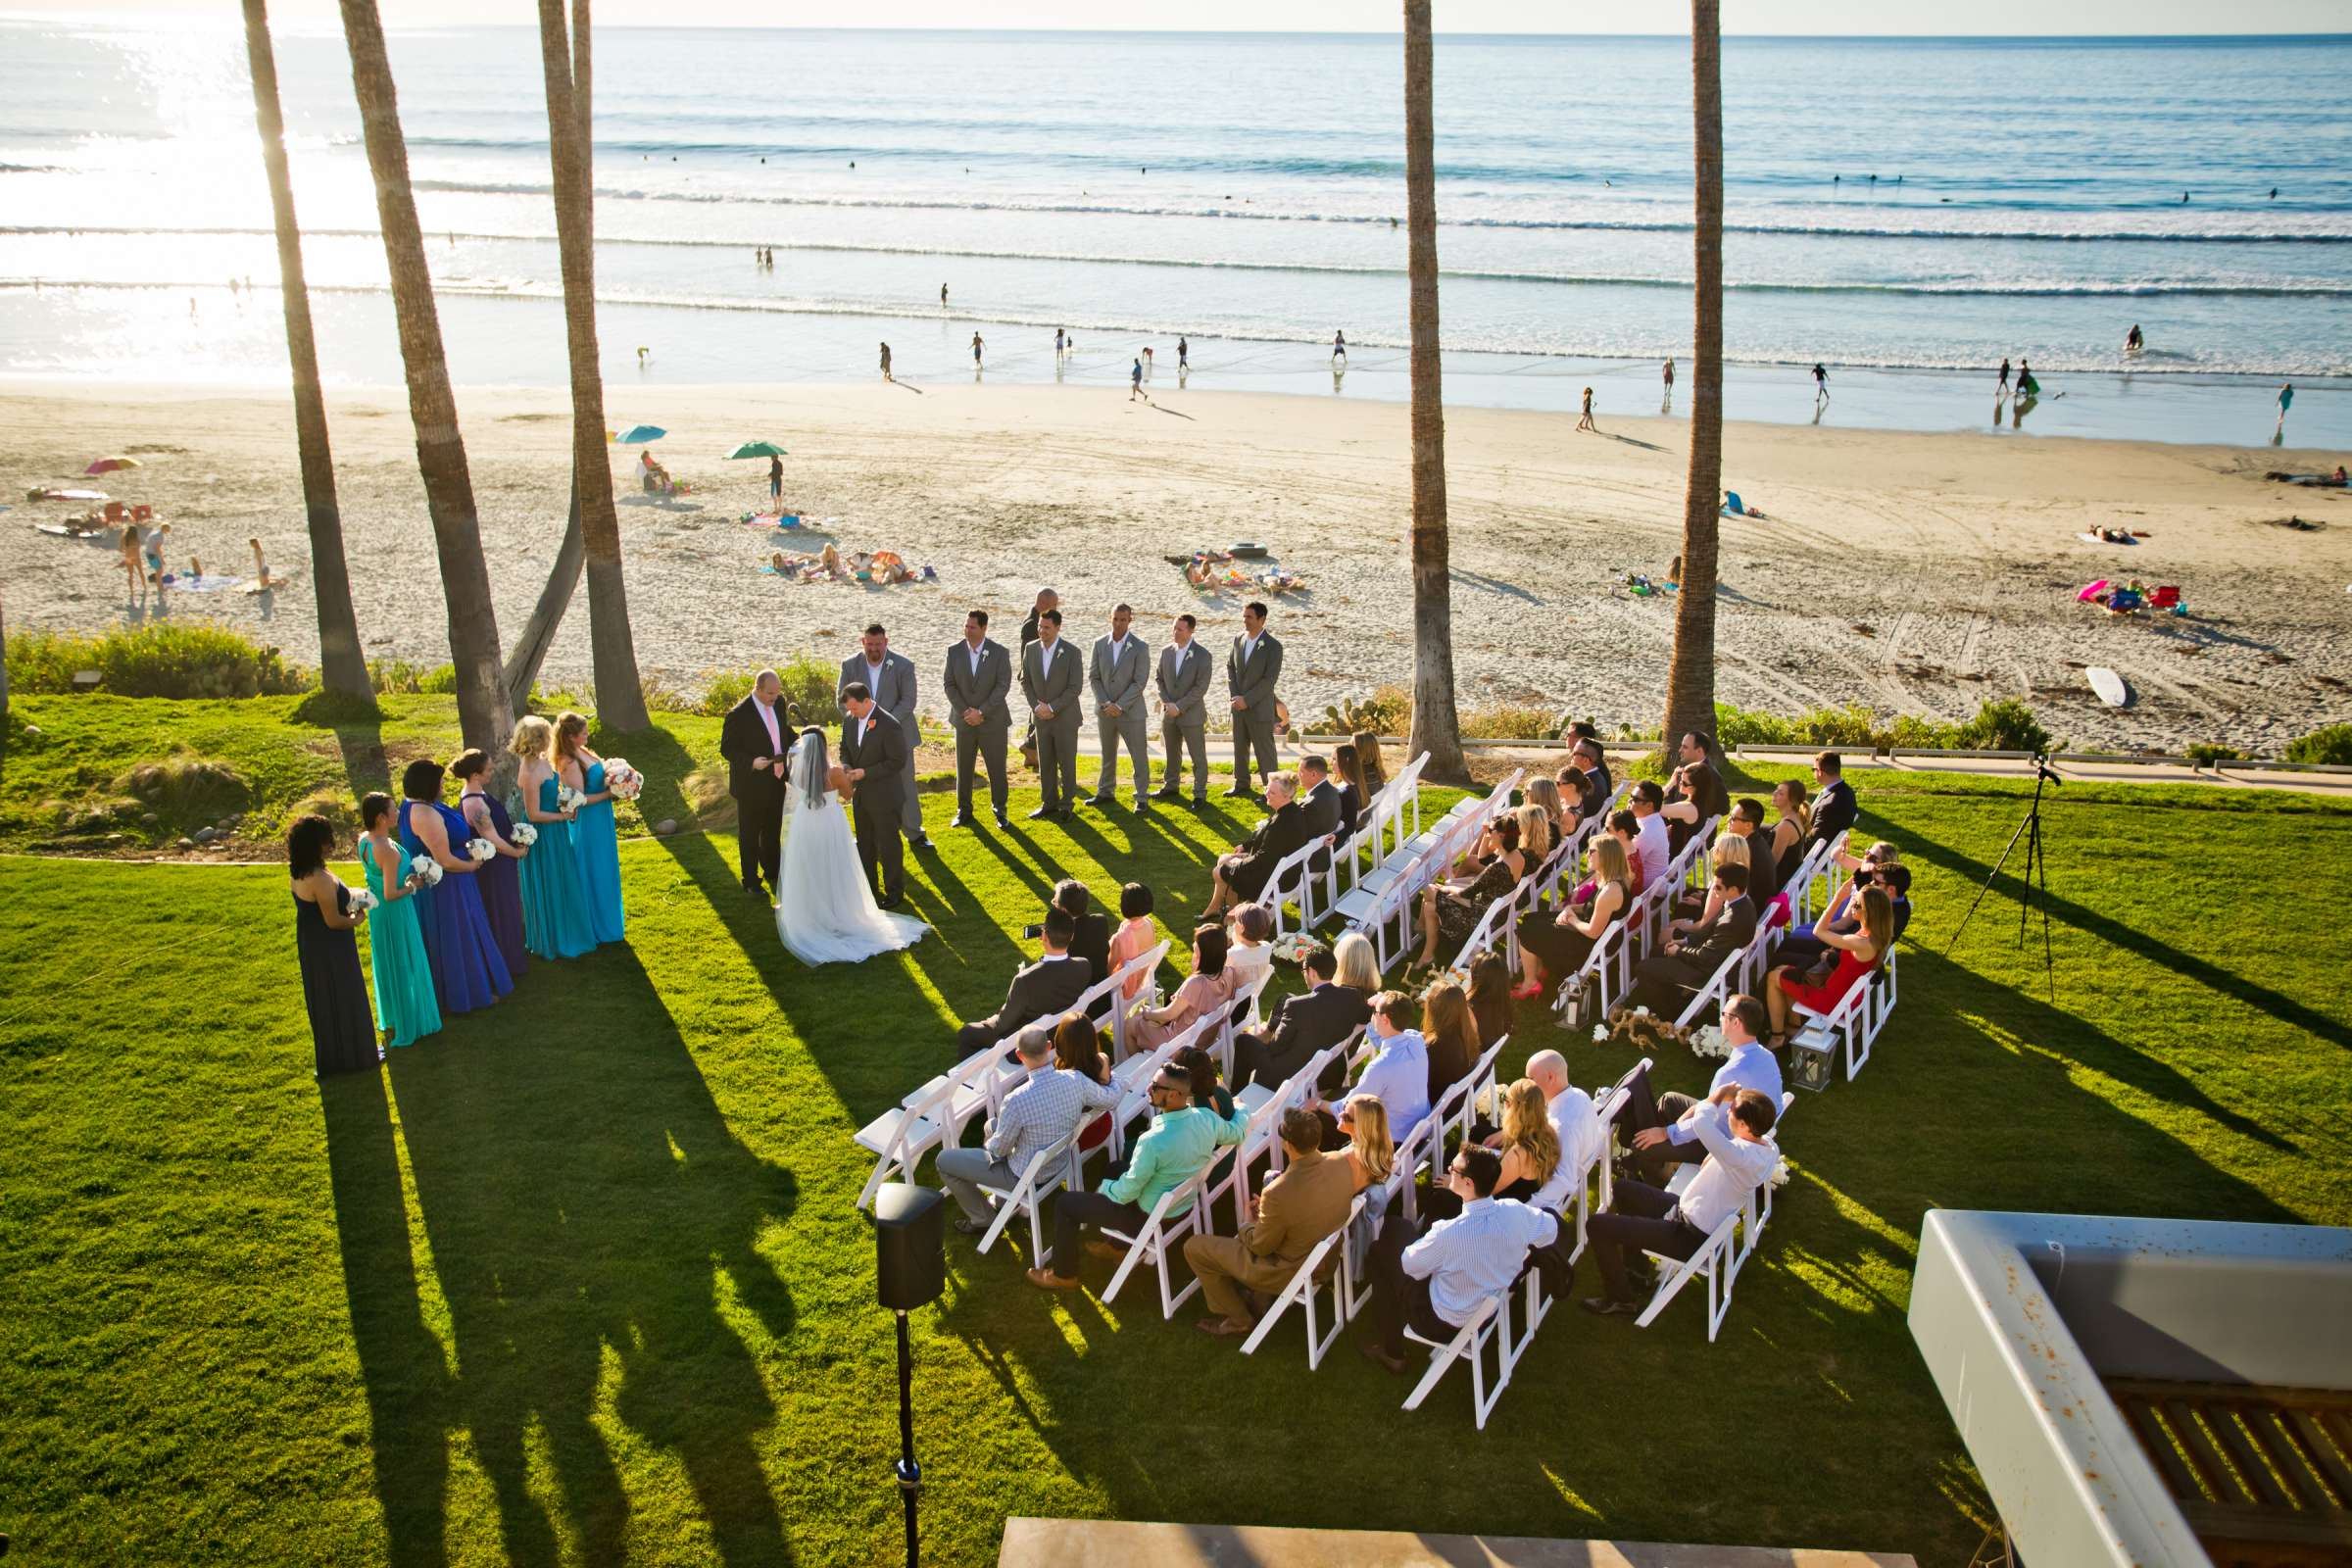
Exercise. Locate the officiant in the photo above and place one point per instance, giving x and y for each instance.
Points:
(890, 678)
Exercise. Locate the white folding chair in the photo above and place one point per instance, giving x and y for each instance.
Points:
(1145, 965)
(1489, 1324)
(1049, 1169)
(901, 1136)
(1715, 1262)
(1162, 1234)
(1324, 1268)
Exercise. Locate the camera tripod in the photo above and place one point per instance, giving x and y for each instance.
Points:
(2036, 874)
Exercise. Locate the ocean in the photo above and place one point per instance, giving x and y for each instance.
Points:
(1907, 212)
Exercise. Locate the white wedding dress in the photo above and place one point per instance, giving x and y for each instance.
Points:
(826, 910)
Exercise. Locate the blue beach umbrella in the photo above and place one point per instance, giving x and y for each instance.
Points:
(639, 435)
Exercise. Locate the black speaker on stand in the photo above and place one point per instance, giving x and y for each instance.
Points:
(910, 1270)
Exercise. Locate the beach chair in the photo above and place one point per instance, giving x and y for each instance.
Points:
(2167, 597)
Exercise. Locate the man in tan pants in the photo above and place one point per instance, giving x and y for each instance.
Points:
(1308, 1202)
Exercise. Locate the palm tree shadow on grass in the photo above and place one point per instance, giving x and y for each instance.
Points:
(587, 1209)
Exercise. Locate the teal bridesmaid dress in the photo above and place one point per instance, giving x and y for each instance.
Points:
(555, 905)
(404, 1004)
(600, 863)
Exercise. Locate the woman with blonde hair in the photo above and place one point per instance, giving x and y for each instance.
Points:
(1531, 1145)
(1553, 947)
(555, 905)
(1371, 1155)
(595, 832)
(1544, 794)
(1691, 908)
(1359, 965)
(1538, 829)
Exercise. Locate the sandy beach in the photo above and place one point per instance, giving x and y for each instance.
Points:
(1919, 573)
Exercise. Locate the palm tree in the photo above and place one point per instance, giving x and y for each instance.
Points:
(1690, 679)
(484, 718)
(1437, 728)
(619, 695)
(342, 665)
(538, 633)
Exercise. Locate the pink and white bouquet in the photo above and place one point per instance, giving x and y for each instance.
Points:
(428, 871)
(624, 781)
(480, 849)
(524, 835)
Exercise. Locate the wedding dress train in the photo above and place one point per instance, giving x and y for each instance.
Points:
(826, 910)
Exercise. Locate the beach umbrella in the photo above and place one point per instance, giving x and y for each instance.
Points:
(639, 435)
(758, 449)
(109, 464)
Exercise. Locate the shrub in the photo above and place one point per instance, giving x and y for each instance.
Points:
(2211, 751)
(2004, 724)
(1389, 710)
(399, 677)
(808, 685)
(185, 789)
(164, 660)
(339, 807)
(2331, 746)
(327, 709)
(1509, 721)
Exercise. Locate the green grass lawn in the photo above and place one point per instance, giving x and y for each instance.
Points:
(579, 1281)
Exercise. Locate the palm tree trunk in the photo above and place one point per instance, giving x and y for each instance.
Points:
(1437, 728)
(539, 632)
(483, 718)
(619, 695)
(342, 663)
(1690, 679)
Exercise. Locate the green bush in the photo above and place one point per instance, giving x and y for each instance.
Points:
(2004, 724)
(1509, 721)
(327, 709)
(2211, 751)
(399, 677)
(808, 685)
(2330, 747)
(185, 790)
(1389, 710)
(165, 660)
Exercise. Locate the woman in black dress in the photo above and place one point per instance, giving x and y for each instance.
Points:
(1554, 946)
(334, 988)
(1449, 914)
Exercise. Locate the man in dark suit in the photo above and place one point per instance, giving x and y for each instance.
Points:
(1834, 808)
(1047, 599)
(754, 739)
(1582, 730)
(1046, 989)
(1242, 875)
(1584, 782)
(978, 676)
(1090, 927)
(890, 676)
(1666, 979)
(1317, 1019)
(1318, 805)
(873, 752)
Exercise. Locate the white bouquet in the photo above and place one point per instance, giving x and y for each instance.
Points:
(1709, 1041)
(428, 871)
(481, 849)
(1601, 1034)
(1780, 1173)
(568, 799)
(624, 781)
(363, 901)
(524, 835)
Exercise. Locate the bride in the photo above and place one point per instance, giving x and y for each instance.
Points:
(825, 909)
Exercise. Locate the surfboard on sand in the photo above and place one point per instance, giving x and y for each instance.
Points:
(2108, 685)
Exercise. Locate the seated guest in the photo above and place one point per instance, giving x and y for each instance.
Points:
(1763, 856)
(1858, 952)
(1543, 795)
(1318, 800)
(1135, 937)
(1652, 847)
(1652, 1122)
(1398, 1075)
(1248, 934)
(1730, 1125)
(1692, 909)
(1369, 1150)
(1316, 1019)
(1834, 808)
(1529, 1147)
(1448, 1036)
(1089, 936)
(1697, 794)
(1360, 965)
(1666, 980)
(1181, 1141)
(1585, 782)
(1353, 797)
(1373, 766)
(1583, 1136)
(1554, 946)
(1584, 738)
(1450, 912)
(1491, 996)
(1792, 822)
(1242, 875)
(1200, 1065)
(1046, 989)
(1078, 1049)
(1038, 1113)
(1207, 987)
(1537, 832)
(1434, 1283)
(1881, 863)
(1305, 1200)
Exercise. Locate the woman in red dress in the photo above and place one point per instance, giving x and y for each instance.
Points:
(1858, 953)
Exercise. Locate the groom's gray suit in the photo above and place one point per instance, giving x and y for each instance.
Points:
(893, 687)
(1120, 680)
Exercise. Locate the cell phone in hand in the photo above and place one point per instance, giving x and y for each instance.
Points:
(1030, 933)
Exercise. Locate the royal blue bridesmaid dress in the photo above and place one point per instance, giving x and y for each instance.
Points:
(600, 861)
(501, 882)
(468, 972)
(555, 906)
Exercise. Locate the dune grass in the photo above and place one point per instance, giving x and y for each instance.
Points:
(579, 1281)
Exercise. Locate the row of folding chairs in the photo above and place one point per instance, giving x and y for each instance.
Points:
(1608, 969)
(1386, 901)
(1501, 922)
(1381, 826)
(1725, 1251)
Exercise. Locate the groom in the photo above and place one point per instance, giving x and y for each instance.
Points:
(873, 756)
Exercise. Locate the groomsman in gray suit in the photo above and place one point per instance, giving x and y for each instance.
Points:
(1251, 672)
(890, 678)
(1120, 673)
(1184, 673)
(978, 676)
(1051, 684)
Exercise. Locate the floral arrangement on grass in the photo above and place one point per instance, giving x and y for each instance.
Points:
(1708, 1040)
(1292, 947)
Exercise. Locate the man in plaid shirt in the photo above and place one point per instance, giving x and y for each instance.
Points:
(1037, 1114)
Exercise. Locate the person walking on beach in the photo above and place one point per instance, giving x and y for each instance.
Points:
(2027, 386)
(1059, 341)
(886, 375)
(2287, 401)
(1586, 423)
(1666, 403)
(1339, 347)
(775, 478)
(2003, 392)
(1821, 377)
(975, 352)
(1135, 381)
(1183, 356)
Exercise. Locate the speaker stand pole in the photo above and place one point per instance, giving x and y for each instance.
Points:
(910, 1474)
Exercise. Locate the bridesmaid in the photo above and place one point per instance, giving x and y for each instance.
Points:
(599, 839)
(555, 908)
(404, 981)
(468, 970)
(334, 988)
(501, 878)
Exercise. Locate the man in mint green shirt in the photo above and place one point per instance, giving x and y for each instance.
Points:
(1182, 1140)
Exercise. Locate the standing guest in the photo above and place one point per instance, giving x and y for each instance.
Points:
(1833, 808)
(1554, 946)
(1135, 936)
(890, 678)
(875, 755)
(1699, 793)
(1354, 795)
(1047, 599)
(1050, 681)
(1435, 1283)
(1398, 1075)
(1242, 875)
(1044, 989)
(403, 981)
(1303, 1203)
(1316, 1019)
(1181, 1141)
(978, 677)
(1653, 1122)
(1730, 1126)
(1183, 680)
(500, 877)
(334, 991)
(1119, 672)
(1037, 1113)
(1448, 1037)
(1090, 933)
(751, 740)
(1858, 953)
(1490, 995)
(594, 829)
(1207, 987)
(554, 902)
(1249, 929)
(1252, 672)
(1666, 981)
(1792, 827)
(468, 970)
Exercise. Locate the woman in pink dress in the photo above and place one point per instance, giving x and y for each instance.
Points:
(1209, 986)
(1135, 936)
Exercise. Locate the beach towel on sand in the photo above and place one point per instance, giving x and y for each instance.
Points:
(2093, 591)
